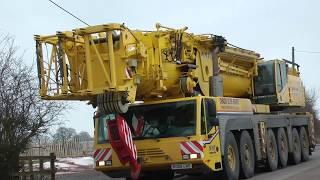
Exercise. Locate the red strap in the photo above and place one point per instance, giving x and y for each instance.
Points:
(122, 143)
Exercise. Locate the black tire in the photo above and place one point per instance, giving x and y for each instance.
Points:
(246, 155)
(272, 151)
(231, 161)
(283, 147)
(296, 152)
(304, 140)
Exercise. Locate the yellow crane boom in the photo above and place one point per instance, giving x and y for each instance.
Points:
(111, 66)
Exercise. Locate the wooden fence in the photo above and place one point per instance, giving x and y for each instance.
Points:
(73, 148)
(31, 167)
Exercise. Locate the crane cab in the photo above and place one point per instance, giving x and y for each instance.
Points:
(177, 135)
(278, 85)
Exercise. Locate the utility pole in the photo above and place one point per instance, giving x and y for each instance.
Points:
(293, 59)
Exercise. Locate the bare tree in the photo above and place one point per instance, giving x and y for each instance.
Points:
(42, 139)
(311, 106)
(23, 115)
(64, 134)
(84, 136)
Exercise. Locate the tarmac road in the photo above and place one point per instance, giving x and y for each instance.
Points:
(309, 170)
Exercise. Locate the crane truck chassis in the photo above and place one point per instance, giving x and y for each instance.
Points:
(171, 102)
(216, 134)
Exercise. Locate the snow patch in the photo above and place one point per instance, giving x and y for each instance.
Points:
(59, 165)
(81, 161)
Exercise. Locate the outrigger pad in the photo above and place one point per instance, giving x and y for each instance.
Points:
(121, 141)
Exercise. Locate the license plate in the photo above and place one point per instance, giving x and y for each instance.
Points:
(181, 166)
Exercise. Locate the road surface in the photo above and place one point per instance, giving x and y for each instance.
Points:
(309, 170)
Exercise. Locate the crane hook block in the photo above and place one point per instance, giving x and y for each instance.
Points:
(121, 141)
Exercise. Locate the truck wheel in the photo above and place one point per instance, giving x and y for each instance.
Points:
(246, 155)
(231, 157)
(296, 154)
(304, 144)
(282, 141)
(272, 151)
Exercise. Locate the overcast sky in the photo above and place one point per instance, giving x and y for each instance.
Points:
(269, 27)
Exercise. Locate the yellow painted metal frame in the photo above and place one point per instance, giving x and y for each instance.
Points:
(96, 59)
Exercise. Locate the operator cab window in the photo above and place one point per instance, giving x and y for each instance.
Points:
(208, 115)
(102, 129)
(172, 119)
(281, 75)
(264, 83)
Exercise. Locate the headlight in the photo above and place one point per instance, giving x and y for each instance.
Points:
(190, 156)
(193, 156)
(102, 163)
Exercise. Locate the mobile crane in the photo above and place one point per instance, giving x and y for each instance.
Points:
(169, 101)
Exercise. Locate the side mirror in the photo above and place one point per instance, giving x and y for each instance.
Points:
(94, 118)
(214, 121)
